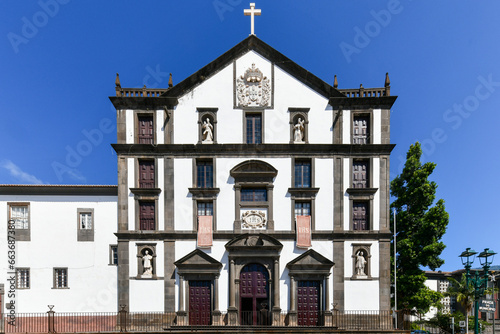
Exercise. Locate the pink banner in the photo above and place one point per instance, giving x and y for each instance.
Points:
(303, 231)
(204, 231)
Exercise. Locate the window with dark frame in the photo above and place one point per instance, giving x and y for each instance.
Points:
(254, 128)
(147, 216)
(302, 208)
(113, 256)
(60, 278)
(205, 209)
(361, 129)
(253, 195)
(360, 172)
(22, 278)
(146, 174)
(302, 174)
(145, 128)
(360, 216)
(204, 174)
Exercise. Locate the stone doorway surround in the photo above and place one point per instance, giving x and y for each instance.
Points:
(253, 248)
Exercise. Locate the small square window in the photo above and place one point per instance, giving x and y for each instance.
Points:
(302, 208)
(23, 278)
(205, 209)
(60, 278)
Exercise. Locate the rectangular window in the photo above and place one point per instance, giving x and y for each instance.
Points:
(85, 220)
(360, 173)
(145, 128)
(60, 278)
(254, 195)
(20, 215)
(22, 278)
(360, 130)
(302, 174)
(302, 208)
(254, 128)
(147, 216)
(204, 174)
(360, 216)
(146, 174)
(113, 255)
(205, 209)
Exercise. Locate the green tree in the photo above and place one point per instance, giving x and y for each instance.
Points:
(420, 226)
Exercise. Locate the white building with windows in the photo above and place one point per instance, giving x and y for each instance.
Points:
(251, 187)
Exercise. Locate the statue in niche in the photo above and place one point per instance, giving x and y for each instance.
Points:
(208, 132)
(298, 131)
(360, 264)
(147, 265)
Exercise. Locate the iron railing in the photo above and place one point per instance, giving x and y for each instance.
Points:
(123, 321)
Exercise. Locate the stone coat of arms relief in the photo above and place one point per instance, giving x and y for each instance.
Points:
(253, 89)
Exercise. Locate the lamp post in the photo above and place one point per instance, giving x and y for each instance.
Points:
(478, 283)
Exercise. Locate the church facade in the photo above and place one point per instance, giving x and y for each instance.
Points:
(253, 187)
(251, 190)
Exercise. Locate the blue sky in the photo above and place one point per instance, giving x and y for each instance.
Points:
(59, 59)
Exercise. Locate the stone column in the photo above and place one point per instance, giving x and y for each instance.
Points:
(292, 315)
(232, 311)
(181, 314)
(276, 290)
(216, 315)
(328, 313)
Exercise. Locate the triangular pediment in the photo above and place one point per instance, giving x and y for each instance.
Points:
(252, 43)
(254, 241)
(310, 260)
(198, 259)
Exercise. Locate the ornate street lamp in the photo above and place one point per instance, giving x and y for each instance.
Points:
(478, 283)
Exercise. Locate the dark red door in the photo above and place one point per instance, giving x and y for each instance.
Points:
(360, 174)
(254, 302)
(200, 310)
(146, 174)
(308, 303)
(360, 216)
(147, 215)
(145, 129)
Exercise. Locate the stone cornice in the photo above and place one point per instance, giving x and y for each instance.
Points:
(59, 190)
(253, 150)
(382, 102)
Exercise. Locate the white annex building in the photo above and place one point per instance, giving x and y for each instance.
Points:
(251, 187)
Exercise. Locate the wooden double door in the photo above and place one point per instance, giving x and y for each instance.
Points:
(200, 303)
(308, 298)
(254, 295)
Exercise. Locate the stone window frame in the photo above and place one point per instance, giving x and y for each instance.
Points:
(369, 171)
(138, 113)
(295, 113)
(21, 234)
(254, 111)
(362, 113)
(113, 249)
(204, 194)
(307, 194)
(202, 114)
(146, 198)
(368, 267)
(85, 234)
(28, 285)
(263, 178)
(54, 281)
(137, 169)
(141, 248)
